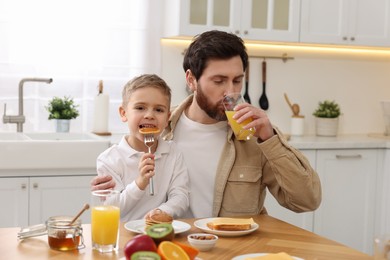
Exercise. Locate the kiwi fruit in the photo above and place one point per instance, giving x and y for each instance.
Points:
(145, 255)
(161, 232)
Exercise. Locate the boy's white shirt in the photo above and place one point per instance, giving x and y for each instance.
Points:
(201, 145)
(170, 181)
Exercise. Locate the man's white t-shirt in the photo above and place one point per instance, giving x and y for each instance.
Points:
(201, 145)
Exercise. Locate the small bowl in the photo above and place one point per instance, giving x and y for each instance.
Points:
(202, 241)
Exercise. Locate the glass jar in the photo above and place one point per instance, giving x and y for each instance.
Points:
(62, 236)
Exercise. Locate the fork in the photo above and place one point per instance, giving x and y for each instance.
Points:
(149, 141)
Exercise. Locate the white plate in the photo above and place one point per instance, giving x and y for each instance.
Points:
(138, 226)
(202, 224)
(243, 257)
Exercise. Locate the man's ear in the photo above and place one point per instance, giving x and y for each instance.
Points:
(191, 81)
(122, 114)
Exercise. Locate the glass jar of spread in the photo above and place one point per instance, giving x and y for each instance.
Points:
(64, 236)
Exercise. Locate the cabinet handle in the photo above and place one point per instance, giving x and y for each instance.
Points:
(350, 156)
(23, 186)
(245, 32)
(35, 185)
(345, 38)
(237, 31)
(352, 38)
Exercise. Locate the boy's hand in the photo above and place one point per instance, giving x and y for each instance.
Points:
(146, 170)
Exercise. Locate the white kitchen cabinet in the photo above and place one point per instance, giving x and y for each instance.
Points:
(32, 200)
(14, 201)
(348, 209)
(303, 220)
(345, 22)
(264, 20)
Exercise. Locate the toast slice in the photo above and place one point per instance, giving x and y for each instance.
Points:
(231, 224)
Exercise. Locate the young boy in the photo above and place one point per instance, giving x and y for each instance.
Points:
(146, 103)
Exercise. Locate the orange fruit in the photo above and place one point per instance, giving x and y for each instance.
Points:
(170, 251)
(191, 251)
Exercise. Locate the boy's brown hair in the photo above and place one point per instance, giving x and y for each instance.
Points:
(142, 81)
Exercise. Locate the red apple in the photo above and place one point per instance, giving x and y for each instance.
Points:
(139, 243)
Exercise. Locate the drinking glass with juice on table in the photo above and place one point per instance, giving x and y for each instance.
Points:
(230, 102)
(105, 217)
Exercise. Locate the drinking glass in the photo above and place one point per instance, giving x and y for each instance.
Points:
(105, 216)
(229, 102)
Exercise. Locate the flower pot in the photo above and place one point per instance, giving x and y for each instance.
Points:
(327, 126)
(62, 125)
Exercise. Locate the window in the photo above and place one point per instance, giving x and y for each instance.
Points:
(77, 43)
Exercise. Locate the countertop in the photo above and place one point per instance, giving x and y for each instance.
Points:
(348, 141)
(272, 236)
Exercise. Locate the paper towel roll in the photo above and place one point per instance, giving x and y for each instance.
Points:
(100, 115)
(297, 126)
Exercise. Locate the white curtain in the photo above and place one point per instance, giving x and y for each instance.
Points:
(77, 43)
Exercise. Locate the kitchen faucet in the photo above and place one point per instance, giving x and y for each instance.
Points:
(20, 118)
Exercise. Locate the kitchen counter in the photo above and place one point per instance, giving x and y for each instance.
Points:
(272, 236)
(358, 141)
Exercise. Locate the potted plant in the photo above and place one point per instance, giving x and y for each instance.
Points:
(327, 118)
(62, 110)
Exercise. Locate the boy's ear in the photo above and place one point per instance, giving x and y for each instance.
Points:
(122, 113)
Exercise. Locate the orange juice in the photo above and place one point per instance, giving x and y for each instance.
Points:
(239, 132)
(104, 224)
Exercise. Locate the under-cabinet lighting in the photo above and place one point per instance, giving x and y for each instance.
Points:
(293, 49)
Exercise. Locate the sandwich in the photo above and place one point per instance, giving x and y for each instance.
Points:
(231, 224)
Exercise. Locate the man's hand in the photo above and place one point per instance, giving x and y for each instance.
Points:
(261, 122)
(102, 183)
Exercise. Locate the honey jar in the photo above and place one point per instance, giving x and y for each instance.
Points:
(64, 236)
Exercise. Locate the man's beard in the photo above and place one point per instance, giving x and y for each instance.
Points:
(214, 111)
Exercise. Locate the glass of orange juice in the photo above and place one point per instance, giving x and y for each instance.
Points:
(230, 101)
(105, 217)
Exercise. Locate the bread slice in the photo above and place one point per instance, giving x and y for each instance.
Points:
(231, 224)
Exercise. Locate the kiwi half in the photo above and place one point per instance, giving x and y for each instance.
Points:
(161, 232)
(145, 255)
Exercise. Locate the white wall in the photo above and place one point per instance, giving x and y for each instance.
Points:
(357, 80)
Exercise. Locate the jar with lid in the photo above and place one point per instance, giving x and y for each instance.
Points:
(64, 236)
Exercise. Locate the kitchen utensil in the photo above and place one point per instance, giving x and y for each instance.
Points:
(86, 206)
(61, 233)
(149, 141)
(263, 101)
(246, 94)
(294, 107)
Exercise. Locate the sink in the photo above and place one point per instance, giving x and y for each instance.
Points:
(62, 136)
(20, 151)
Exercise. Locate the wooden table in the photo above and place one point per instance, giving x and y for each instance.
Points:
(273, 236)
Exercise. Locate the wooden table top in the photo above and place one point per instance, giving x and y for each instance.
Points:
(273, 236)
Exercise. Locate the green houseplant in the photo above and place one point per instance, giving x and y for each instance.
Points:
(327, 109)
(327, 118)
(62, 110)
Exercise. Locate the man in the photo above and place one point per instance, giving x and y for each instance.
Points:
(229, 177)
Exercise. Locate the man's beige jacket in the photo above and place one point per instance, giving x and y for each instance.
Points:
(247, 168)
